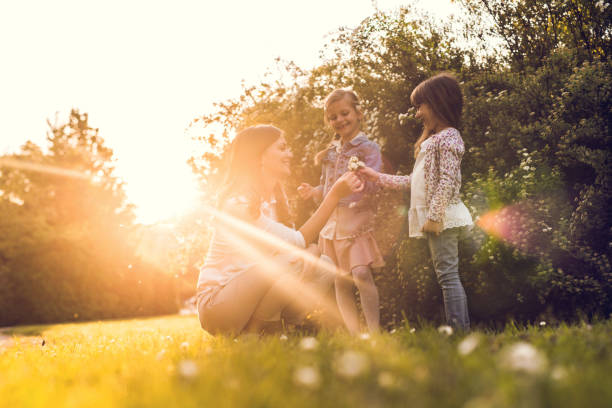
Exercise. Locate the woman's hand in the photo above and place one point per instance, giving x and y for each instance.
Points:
(433, 227)
(305, 191)
(347, 184)
(369, 173)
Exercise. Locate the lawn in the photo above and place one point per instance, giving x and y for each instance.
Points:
(170, 361)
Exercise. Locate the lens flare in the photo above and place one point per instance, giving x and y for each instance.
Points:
(301, 295)
(42, 168)
(519, 225)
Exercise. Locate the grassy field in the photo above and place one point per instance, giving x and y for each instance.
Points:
(170, 361)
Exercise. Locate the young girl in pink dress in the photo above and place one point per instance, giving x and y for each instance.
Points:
(436, 210)
(348, 238)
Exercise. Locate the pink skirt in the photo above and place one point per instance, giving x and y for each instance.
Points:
(352, 252)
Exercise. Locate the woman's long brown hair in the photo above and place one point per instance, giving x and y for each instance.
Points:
(244, 172)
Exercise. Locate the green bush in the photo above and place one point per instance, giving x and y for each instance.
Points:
(536, 127)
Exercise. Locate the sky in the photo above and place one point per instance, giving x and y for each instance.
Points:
(143, 70)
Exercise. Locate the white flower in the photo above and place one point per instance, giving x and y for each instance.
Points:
(283, 337)
(523, 356)
(309, 343)
(351, 364)
(386, 379)
(542, 323)
(445, 330)
(558, 373)
(468, 344)
(364, 336)
(412, 331)
(184, 346)
(307, 376)
(355, 164)
(233, 383)
(188, 369)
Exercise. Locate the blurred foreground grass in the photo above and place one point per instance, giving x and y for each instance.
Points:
(170, 361)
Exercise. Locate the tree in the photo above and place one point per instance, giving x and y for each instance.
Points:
(64, 226)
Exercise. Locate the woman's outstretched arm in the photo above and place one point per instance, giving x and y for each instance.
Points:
(347, 184)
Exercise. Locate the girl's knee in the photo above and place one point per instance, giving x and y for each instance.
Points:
(314, 250)
(362, 273)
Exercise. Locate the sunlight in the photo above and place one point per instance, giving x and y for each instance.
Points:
(245, 235)
(160, 192)
(41, 168)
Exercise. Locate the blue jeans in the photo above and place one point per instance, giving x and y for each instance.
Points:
(445, 255)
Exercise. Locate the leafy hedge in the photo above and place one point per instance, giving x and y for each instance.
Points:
(537, 164)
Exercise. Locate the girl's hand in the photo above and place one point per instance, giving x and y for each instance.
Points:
(368, 173)
(433, 227)
(305, 191)
(347, 184)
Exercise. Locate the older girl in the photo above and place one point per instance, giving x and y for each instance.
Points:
(436, 210)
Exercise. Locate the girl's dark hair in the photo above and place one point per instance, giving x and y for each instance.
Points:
(443, 95)
(244, 171)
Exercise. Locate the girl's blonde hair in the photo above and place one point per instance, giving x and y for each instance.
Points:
(335, 96)
(341, 93)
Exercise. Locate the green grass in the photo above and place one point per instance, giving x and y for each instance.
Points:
(170, 361)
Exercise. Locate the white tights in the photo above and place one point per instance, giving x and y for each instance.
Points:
(362, 277)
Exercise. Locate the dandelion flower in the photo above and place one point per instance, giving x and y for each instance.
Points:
(468, 344)
(188, 369)
(307, 376)
(386, 379)
(558, 373)
(445, 329)
(524, 357)
(309, 343)
(350, 364)
(233, 383)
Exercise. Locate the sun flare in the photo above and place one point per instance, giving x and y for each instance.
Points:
(160, 192)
